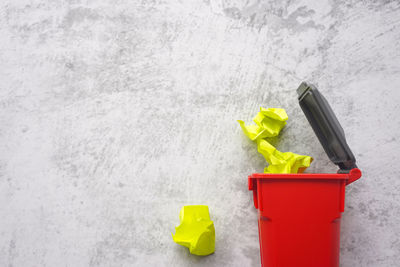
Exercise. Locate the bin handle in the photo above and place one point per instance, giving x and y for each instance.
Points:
(354, 175)
(253, 187)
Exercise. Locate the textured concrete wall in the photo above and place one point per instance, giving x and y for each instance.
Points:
(115, 114)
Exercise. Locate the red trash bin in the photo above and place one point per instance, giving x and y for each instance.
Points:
(299, 214)
(299, 217)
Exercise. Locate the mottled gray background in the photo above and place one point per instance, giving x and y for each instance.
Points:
(115, 114)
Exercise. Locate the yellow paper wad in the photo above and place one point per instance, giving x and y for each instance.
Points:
(269, 123)
(196, 230)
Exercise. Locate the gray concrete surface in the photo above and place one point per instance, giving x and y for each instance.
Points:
(115, 114)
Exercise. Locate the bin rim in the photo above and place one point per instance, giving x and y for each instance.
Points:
(353, 175)
(344, 179)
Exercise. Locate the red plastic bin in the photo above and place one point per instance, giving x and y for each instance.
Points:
(299, 217)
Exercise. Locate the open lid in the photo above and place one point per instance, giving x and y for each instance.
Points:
(326, 126)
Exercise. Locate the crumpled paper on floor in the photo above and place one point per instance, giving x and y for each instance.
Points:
(196, 230)
(269, 122)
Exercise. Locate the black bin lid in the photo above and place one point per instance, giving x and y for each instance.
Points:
(326, 126)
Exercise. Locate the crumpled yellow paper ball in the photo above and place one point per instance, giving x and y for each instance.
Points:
(196, 230)
(269, 122)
